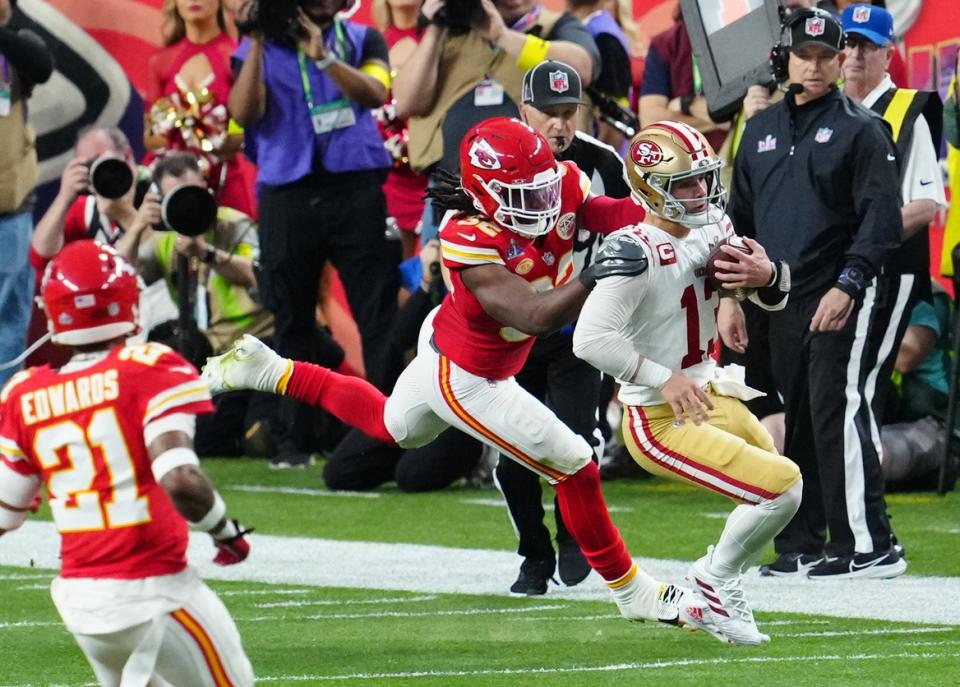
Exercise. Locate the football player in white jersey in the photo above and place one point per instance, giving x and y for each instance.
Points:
(654, 333)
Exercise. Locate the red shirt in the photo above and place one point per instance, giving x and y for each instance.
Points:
(463, 331)
(82, 221)
(81, 431)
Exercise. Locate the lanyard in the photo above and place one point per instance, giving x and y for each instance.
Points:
(697, 81)
(339, 48)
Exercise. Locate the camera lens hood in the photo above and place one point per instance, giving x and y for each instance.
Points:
(189, 210)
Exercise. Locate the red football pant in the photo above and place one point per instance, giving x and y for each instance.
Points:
(351, 399)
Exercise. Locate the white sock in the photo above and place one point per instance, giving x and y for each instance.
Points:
(749, 529)
(640, 593)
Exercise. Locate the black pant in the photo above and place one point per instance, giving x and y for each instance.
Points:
(571, 388)
(828, 381)
(302, 225)
(360, 462)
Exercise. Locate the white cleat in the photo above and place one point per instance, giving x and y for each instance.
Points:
(249, 364)
(728, 606)
(681, 607)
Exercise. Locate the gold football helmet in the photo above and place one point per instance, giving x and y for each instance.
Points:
(665, 153)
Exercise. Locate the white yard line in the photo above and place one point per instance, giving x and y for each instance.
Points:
(351, 602)
(300, 491)
(424, 569)
(548, 506)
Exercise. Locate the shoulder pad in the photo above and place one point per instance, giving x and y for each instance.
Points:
(621, 254)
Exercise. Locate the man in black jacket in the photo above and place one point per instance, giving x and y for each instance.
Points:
(816, 181)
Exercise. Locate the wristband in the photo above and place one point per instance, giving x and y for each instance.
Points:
(774, 273)
(852, 281)
(228, 531)
(173, 458)
(534, 52)
(652, 374)
(213, 517)
(327, 60)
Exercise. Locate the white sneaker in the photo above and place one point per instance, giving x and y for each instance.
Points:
(249, 364)
(681, 607)
(727, 604)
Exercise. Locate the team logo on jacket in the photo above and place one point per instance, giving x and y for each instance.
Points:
(524, 266)
(767, 144)
(823, 134)
(814, 26)
(559, 82)
(566, 225)
(483, 155)
(861, 15)
(646, 153)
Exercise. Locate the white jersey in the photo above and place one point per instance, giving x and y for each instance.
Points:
(667, 314)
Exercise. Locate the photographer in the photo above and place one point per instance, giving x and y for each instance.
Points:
(469, 66)
(227, 305)
(304, 92)
(81, 211)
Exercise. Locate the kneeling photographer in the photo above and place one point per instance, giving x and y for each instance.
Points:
(206, 253)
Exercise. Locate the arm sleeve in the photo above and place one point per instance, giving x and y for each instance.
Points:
(598, 338)
(656, 75)
(375, 48)
(27, 53)
(922, 178)
(876, 186)
(569, 28)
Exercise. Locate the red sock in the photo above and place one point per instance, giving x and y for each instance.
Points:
(353, 400)
(585, 515)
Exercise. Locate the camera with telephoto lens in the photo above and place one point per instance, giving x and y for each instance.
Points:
(459, 16)
(275, 20)
(187, 209)
(110, 177)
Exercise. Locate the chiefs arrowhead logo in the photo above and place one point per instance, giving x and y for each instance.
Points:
(646, 153)
(483, 155)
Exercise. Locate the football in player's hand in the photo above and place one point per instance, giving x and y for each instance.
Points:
(718, 254)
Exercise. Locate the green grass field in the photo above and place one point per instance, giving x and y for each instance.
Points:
(301, 634)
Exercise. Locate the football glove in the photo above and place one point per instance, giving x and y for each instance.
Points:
(233, 548)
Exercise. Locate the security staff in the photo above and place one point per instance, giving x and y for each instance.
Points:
(816, 182)
(915, 119)
(551, 98)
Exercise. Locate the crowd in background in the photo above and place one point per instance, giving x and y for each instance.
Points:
(319, 139)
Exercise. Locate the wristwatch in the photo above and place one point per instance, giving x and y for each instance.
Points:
(209, 255)
(327, 60)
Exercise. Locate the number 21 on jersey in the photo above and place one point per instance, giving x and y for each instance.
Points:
(79, 501)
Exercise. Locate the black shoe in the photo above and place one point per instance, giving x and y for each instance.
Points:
(880, 564)
(571, 565)
(292, 461)
(792, 565)
(533, 577)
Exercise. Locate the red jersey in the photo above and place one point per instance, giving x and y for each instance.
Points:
(463, 331)
(82, 432)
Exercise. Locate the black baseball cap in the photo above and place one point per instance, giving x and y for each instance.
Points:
(551, 83)
(815, 26)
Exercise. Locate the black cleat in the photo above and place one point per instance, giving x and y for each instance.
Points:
(792, 565)
(533, 577)
(571, 565)
(879, 564)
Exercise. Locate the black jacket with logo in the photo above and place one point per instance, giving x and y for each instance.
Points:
(818, 186)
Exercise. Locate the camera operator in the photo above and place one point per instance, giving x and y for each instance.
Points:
(305, 91)
(469, 65)
(79, 210)
(228, 305)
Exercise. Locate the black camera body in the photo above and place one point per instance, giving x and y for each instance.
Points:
(276, 20)
(459, 16)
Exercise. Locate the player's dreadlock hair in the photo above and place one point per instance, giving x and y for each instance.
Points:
(447, 194)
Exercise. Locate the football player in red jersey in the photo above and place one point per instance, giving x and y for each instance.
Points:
(509, 257)
(110, 434)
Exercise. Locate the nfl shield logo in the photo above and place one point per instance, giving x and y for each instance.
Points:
(559, 82)
(814, 26)
(861, 15)
(823, 135)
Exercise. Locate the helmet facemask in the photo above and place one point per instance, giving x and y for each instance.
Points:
(675, 209)
(529, 208)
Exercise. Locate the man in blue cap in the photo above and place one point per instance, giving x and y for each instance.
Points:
(915, 119)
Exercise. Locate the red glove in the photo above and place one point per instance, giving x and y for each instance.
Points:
(234, 548)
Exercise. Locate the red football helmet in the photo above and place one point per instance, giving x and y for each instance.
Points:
(90, 294)
(509, 172)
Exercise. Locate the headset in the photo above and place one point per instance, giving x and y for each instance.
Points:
(780, 53)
